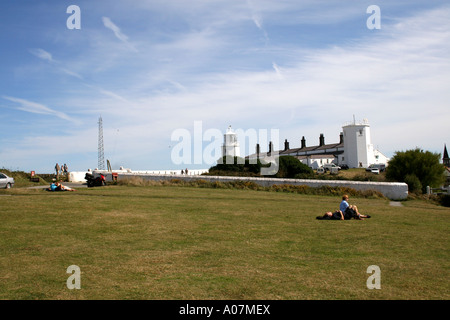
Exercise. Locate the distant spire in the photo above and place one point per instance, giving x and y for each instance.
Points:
(446, 159)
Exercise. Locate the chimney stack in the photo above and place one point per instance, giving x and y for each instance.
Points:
(286, 145)
(303, 142)
(341, 137)
(321, 140)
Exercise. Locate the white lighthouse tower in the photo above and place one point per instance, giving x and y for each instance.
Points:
(358, 149)
(230, 145)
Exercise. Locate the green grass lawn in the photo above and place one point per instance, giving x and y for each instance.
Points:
(173, 242)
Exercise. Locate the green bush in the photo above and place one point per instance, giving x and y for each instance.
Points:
(236, 166)
(413, 183)
(291, 167)
(425, 166)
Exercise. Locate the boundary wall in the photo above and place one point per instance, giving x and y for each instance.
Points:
(391, 190)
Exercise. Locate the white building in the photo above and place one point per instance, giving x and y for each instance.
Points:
(230, 145)
(358, 148)
(354, 149)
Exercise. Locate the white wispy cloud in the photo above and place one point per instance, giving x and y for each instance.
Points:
(47, 56)
(117, 32)
(257, 20)
(71, 73)
(110, 25)
(41, 54)
(277, 70)
(33, 107)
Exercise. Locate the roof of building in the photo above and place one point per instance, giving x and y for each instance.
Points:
(324, 151)
(313, 148)
(315, 156)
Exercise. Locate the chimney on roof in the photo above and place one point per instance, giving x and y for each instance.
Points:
(341, 137)
(270, 147)
(303, 142)
(257, 150)
(286, 145)
(321, 140)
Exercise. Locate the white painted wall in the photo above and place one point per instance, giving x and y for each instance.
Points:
(77, 176)
(391, 190)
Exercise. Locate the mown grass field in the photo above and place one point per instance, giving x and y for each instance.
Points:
(174, 242)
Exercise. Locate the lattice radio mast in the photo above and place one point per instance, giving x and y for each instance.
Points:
(101, 150)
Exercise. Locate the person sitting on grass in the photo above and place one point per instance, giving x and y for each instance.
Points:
(64, 188)
(57, 186)
(337, 215)
(52, 186)
(350, 211)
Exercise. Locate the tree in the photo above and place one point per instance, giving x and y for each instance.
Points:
(417, 168)
(237, 164)
(289, 167)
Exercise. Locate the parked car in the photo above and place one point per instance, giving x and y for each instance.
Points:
(334, 170)
(5, 181)
(329, 166)
(380, 167)
(344, 167)
(320, 170)
(375, 170)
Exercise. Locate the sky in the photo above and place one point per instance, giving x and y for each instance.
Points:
(152, 69)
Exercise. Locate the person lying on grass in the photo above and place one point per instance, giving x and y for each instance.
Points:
(337, 215)
(57, 186)
(350, 211)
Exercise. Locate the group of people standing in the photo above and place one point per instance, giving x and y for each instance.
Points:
(56, 185)
(63, 169)
(346, 212)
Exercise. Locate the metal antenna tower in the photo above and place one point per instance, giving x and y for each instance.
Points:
(101, 150)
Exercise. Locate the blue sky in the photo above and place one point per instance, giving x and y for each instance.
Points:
(151, 67)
